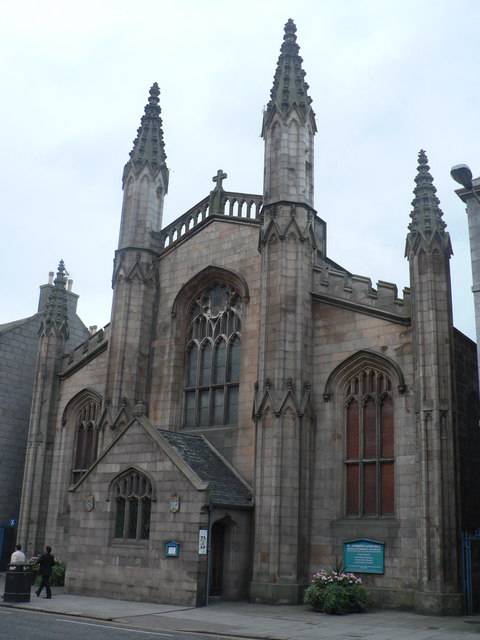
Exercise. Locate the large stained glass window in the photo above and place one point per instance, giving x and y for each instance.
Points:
(212, 369)
(369, 445)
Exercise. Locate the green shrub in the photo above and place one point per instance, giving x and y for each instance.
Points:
(57, 579)
(336, 592)
(58, 574)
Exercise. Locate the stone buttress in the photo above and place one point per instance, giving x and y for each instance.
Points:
(53, 333)
(135, 281)
(284, 427)
(428, 250)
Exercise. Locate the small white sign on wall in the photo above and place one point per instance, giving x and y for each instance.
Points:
(202, 542)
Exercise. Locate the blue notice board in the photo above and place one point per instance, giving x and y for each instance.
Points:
(364, 556)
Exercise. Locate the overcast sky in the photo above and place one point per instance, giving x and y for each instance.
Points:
(386, 77)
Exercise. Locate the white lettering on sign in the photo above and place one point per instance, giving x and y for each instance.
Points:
(202, 542)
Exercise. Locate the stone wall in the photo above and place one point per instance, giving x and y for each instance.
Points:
(18, 351)
(231, 245)
(91, 376)
(468, 430)
(99, 564)
(338, 334)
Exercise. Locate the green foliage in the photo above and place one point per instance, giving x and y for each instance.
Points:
(58, 574)
(336, 592)
(57, 579)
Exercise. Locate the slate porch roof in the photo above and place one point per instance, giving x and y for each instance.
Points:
(225, 487)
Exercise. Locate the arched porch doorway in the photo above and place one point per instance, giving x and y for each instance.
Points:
(230, 554)
(218, 558)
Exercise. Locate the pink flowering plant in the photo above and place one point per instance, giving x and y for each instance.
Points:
(336, 592)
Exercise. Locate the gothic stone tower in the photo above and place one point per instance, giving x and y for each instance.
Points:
(282, 413)
(145, 183)
(53, 333)
(428, 250)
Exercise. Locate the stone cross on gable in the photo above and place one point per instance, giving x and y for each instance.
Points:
(219, 178)
(217, 195)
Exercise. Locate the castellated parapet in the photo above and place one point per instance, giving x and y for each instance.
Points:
(338, 287)
(86, 350)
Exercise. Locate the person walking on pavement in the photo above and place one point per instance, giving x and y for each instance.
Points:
(45, 562)
(18, 557)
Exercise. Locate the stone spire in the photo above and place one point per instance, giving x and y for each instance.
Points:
(289, 86)
(427, 217)
(55, 319)
(148, 146)
(428, 250)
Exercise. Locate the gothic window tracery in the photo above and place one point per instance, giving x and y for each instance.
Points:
(213, 359)
(132, 493)
(369, 445)
(86, 438)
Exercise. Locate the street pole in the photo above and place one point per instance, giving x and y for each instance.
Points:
(470, 195)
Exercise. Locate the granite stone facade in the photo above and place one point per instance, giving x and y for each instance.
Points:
(252, 403)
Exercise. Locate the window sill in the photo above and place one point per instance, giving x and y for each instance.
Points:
(363, 527)
(130, 542)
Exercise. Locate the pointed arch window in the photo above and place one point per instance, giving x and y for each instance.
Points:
(86, 437)
(212, 371)
(132, 493)
(369, 445)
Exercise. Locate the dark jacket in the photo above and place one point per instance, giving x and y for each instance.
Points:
(46, 562)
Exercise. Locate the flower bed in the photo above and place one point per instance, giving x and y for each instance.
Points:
(336, 592)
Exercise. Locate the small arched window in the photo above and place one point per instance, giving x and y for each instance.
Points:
(86, 437)
(212, 372)
(132, 493)
(369, 445)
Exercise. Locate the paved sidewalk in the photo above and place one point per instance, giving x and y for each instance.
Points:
(240, 619)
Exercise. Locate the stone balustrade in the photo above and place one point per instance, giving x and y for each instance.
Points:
(240, 205)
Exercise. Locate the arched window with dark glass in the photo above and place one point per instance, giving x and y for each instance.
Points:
(369, 445)
(212, 365)
(86, 437)
(132, 495)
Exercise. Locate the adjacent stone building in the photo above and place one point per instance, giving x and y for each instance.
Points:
(253, 406)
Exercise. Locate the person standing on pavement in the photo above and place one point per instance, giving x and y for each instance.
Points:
(45, 562)
(18, 557)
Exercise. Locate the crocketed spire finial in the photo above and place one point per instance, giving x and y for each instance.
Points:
(422, 157)
(148, 146)
(61, 278)
(426, 215)
(289, 38)
(55, 317)
(154, 94)
(289, 86)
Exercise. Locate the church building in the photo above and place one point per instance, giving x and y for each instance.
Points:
(255, 411)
